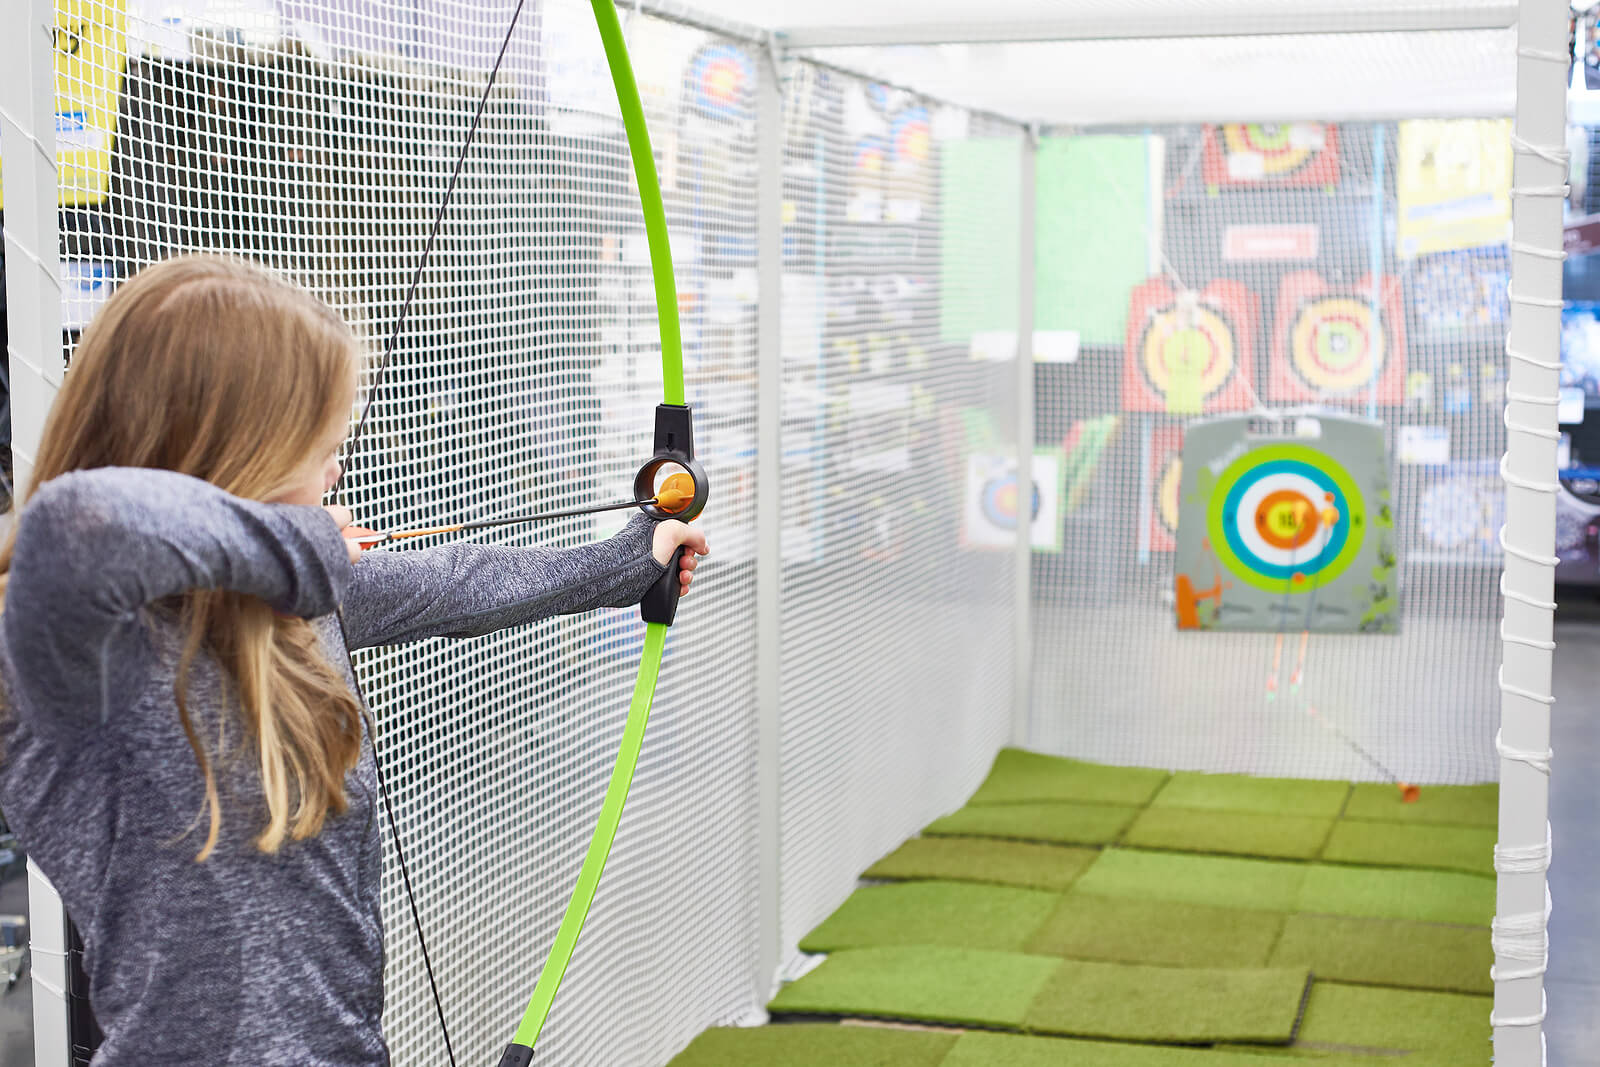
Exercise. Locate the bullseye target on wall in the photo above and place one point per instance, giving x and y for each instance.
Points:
(1332, 342)
(1164, 474)
(720, 78)
(1285, 154)
(1189, 352)
(995, 508)
(1289, 529)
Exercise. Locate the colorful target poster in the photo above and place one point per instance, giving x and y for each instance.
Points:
(1190, 352)
(1256, 153)
(1165, 473)
(1460, 510)
(1286, 525)
(1332, 343)
(994, 507)
(91, 58)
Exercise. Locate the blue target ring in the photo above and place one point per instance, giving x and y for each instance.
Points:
(999, 502)
(1287, 472)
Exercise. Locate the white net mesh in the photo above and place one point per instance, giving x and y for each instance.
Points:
(896, 647)
(319, 139)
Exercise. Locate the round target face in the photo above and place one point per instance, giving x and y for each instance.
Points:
(1449, 514)
(1000, 502)
(1274, 143)
(1286, 518)
(1167, 494)
(1204, 345)
(1336, 344)
(720, 76)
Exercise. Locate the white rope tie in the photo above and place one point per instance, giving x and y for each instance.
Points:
(1524, 598)
(1532, 431)
(1545, 54)
(1527, 642)
(1526, 859)
(1522, 357)
(1497, 1020)
(1524, 938)
(1530, 398)
(1546, 699)
(1539, 761)
(51, 271)
(1533, 301)
(1532, 486)
(1560, 155)
(1538, 250)
(1535, 191)
(46, 154)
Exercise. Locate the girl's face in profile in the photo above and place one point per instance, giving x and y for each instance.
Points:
(320, 470)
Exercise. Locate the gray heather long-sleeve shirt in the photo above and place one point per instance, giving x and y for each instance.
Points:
(245, 958)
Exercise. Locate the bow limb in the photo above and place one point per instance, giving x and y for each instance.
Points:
(674, 443)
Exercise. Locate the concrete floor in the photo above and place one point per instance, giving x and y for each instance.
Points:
(1573, 983)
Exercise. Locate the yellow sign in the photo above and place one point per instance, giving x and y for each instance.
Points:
(91, 62)
(1453, 179)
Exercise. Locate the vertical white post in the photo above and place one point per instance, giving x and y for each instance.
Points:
(1529, 468)
(769, 508)
(33, 301)
(1022, 640)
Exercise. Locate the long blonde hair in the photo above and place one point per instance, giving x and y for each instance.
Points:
(215, 368)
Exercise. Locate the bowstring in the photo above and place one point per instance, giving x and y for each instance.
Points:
(389, 348)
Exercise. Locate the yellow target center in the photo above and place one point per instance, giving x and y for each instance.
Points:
(1286, 519)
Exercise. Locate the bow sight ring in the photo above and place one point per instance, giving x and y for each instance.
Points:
(674, 446)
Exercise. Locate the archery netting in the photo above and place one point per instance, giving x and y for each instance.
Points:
(1180, 271)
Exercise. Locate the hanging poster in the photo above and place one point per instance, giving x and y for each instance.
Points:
(1271, 154)
(1453, 180)
(1333, 342)
(91, 61)
(994, 508)
(1190, 352)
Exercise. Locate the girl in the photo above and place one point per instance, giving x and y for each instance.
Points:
(180, 746)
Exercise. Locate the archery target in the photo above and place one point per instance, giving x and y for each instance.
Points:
(1337, 344)
(1277, 150)
(1167, 494)
(999, 502)
(1286, 518)
(1170, 346)
(993, 511)
(720, 76)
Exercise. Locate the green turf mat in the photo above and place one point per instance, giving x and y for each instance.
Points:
(1086, 927)
(1458, 805)
(1019, 777)
(981, 859)
(1230, 832)
(957, 914)
(1388, 952)
(1068, 824)
(1382, 893)
(1220, 881)
(950, 985)
(1358, 1017)
(1170, 1005)
(1389, 844)
(980, 1049)
(815, 1045)
(1266, 796)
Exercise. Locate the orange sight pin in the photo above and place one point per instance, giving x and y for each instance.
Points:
(676, 492)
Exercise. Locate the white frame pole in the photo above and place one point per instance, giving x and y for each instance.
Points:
(33, 303)
(1022, 680)
(1520, 936)
(769, 514)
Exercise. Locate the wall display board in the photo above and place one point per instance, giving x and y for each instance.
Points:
(1332, 342)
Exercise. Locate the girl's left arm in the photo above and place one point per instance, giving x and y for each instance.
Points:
(466, 590)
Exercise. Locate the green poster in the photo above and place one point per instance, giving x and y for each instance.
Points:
(1093, 233)
(978, 222)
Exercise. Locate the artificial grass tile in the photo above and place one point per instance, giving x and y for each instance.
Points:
(1389, 844)
(1453, 805)
(1220, 881)
(1383, 893)
(957, 914)
(948, 985)
(1068, 824)
(1019, 777)
(987, 860)
(1388, 952)
(1170, 1005)
(1266, 796)
(1088, 927)
(1234, 833)
(815, 1045)
(1397, 1020)
(980, 1049)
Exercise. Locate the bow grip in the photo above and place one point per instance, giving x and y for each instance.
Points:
(660, 604)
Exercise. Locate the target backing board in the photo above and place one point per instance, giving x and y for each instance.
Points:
(1189, 353)
(1270, 154)
(1286, 525)
(993, 506)
(1332, 343)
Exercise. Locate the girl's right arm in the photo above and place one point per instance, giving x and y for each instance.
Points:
(95, 547)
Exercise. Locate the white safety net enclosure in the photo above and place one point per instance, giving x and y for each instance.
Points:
(1199, 209)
